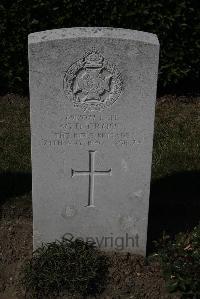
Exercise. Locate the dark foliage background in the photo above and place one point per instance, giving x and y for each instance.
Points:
(177, 24)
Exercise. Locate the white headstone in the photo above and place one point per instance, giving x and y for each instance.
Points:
(92, 94)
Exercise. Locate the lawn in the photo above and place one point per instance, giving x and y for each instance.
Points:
(174, 200)
(176, 138)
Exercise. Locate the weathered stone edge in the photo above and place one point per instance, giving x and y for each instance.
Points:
(93, 32)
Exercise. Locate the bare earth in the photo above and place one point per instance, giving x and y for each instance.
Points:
(130, 275)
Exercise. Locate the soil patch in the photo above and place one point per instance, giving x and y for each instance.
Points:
(131, 276)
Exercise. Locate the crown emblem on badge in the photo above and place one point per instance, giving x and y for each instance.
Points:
(94, 60)
(92, 83)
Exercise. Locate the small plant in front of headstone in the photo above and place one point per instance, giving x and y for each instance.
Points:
(180, 259)
(65, 267)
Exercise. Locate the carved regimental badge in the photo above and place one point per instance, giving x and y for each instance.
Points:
(92, 83)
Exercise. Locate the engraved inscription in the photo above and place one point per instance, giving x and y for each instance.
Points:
(92, 83)
(91, 130)
(91, 173)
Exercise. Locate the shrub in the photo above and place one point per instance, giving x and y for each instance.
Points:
(65, 266)
(181, 262)
(175, 22)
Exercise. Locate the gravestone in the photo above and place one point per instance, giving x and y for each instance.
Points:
(92, 93)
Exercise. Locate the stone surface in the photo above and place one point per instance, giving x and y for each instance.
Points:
(92, 94)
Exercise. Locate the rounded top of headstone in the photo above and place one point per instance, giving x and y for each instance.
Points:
(93, 32)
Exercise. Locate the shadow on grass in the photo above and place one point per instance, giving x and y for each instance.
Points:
(174, 201)
(174, 205)
(14, 184)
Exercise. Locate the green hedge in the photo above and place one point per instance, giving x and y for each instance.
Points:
(175, 22)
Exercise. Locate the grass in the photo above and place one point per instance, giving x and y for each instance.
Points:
(174, 197)
(176, 139)
(14, 135)
(176, 150)
(180, 259)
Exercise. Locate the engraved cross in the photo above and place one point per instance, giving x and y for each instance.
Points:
(91, 173)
